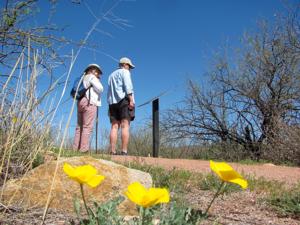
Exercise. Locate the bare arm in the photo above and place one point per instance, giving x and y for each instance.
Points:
(131, 101)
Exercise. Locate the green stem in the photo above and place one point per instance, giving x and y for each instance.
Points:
(215, 196)
(83, 198)
(142, 215)
(85, 205)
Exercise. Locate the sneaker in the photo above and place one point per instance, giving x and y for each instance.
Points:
(123, 153)
(114, 153)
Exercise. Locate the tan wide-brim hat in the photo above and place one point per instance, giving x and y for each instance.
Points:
(93, 65)
(126, 60)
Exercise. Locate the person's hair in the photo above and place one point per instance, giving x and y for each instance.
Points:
(91, 68)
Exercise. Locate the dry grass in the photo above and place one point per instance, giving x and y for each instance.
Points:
(25, 127)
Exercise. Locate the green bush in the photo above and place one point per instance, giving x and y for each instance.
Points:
(266, 186)
(286, 203)
(38, 160)
(212, 183)
(172, 179)
(104, 214)
(107, 214)
(180, 215)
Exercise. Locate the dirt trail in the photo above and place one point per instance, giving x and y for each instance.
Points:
(289, 175)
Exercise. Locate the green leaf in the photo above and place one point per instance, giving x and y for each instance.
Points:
(77, 206)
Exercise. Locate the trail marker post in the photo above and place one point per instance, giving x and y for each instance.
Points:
(155, 123)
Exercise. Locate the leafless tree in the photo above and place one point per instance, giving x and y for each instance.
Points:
(247, 96)
(17, 32)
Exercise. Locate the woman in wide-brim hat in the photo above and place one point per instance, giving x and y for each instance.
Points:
(87, 107)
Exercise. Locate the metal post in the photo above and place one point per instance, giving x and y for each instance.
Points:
(97, 117)
(155, 123)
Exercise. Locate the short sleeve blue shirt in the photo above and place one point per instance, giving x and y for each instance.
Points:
(119, 85)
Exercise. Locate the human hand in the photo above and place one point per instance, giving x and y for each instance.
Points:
(131, 105)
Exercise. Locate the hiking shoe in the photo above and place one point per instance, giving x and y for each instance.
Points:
(124, 153)
(114, 153)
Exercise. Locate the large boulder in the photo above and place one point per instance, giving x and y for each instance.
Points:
(32, 189)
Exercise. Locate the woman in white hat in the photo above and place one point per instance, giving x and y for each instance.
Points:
(87, 107)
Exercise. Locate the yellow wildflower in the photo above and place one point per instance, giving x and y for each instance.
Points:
(85, 174)
(14, 119)
(141, 196)
(228, 174)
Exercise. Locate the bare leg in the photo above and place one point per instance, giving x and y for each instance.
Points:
(125, 124)
(113, 136)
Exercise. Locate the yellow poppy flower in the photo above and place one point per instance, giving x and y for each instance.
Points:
(14, 119)
(141, 196)
(228, 174)
(86, 174)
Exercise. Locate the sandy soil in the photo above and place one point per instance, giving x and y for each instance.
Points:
(289, 175)
(241, 208)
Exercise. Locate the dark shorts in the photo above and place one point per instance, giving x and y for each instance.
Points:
(120, 111)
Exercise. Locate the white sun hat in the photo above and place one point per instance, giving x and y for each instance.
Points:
(94, 65)
(127, 61)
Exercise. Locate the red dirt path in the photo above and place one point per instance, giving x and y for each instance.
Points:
(289, 175)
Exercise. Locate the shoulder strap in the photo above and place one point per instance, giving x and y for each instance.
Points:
(89, 90)
(89, 93)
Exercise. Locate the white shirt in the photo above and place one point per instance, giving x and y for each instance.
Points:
(95, 91)
(119, 85)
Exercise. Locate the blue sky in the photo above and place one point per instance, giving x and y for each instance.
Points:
(168, 41)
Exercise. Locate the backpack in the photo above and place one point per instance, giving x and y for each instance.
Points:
(78, 90)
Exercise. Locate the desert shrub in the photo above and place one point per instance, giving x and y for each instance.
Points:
(286, 203)
(38, 160)
(284, 146)
(175, 213)
(141, 141)
(141, 145)
(221, 151)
